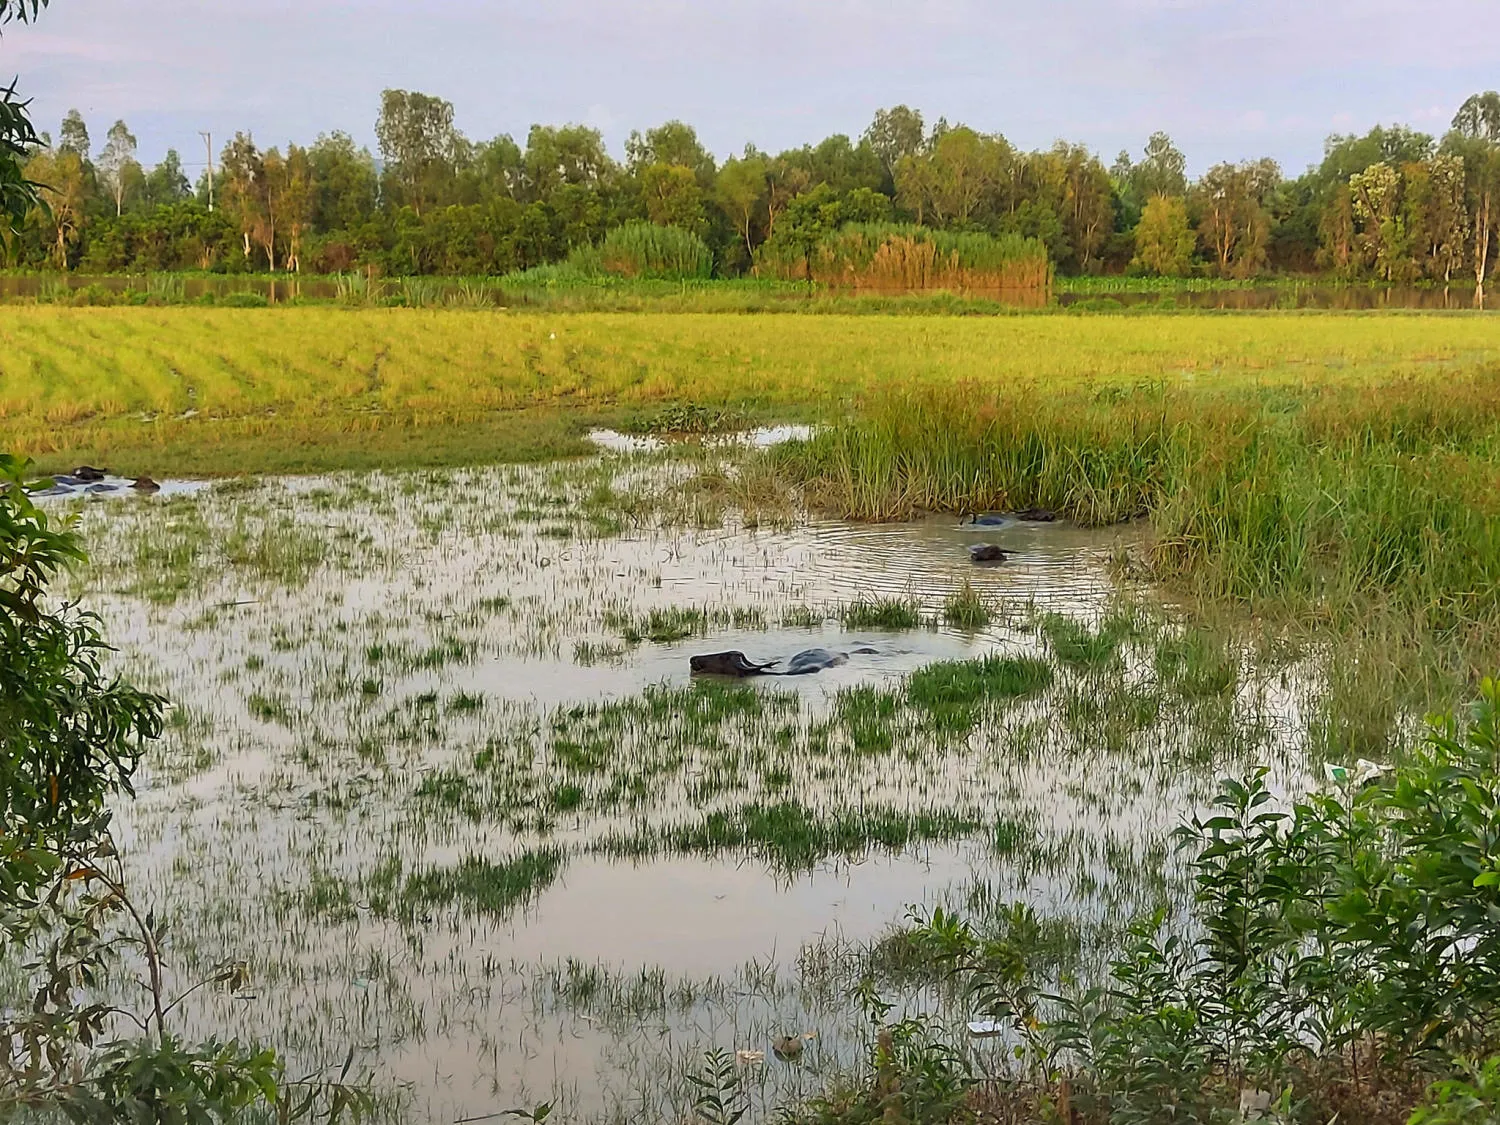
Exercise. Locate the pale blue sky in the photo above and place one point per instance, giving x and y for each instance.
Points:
(1229, 79)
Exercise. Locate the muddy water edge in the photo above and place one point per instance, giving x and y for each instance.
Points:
(437, 772)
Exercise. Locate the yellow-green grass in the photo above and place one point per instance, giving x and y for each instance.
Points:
(204, 390)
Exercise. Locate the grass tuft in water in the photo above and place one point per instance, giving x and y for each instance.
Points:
(882, 613)
(968, 609)
(952, 691)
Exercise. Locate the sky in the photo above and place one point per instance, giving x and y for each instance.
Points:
(1228, 79)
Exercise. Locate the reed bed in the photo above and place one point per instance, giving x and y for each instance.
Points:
(899, 257)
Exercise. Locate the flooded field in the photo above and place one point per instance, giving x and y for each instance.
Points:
(437, 771)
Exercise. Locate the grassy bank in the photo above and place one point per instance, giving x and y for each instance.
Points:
(177, 390)
(1331, 497)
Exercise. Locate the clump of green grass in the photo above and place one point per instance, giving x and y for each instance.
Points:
(953, 691)
(790, 837)
(674, 623)
(475, 886)
(882, 613)
(1197, 664)
(1078, 646)
(589, 653)
(270, 709)
(869, 715)
(802, 617)
(968, 609)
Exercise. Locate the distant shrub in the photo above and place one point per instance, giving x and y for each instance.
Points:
(243, 300)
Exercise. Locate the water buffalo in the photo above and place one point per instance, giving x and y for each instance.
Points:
(728, 664)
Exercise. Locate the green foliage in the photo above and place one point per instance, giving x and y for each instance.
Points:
(19, 196)
(1163, 238)
(1359, 921)
(1472, 1099)
(719, 1098)
(70, 736)
(953, 691)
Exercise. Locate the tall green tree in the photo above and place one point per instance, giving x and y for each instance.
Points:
(894, 135)
(672, 143)
(1476, 138)
(74, 136)
(60, 211)
(740, 191)
(419, 144)
(165, 184)
(672, 197)
(345, 187)
(1164, 238)
(1232, 221)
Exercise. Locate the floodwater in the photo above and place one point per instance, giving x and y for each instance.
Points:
(431, 777)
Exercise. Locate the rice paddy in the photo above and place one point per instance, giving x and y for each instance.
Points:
(438, 774)
(176, 391)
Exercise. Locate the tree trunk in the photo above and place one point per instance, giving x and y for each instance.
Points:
(1482, 240)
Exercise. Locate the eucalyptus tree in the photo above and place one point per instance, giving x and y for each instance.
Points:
(1476, 137)
(117, 163)
(419, 143)
(74, 136)
(893, 135)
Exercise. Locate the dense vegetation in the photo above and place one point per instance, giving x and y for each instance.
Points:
(1392, 205)
(1340, 958)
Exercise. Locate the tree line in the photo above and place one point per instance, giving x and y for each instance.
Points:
(1393, 204)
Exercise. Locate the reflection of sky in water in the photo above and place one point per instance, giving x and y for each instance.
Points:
(466, 1009)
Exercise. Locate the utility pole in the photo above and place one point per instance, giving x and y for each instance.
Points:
(208, 144)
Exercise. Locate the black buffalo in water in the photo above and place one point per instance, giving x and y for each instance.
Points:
(737, 664)
(987, 552)
(729, 664)
(1025, 515)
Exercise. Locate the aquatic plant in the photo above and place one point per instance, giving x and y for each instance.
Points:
(882, 613)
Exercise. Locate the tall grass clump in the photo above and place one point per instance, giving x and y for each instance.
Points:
(646, 250)
(898, 257)
(1331, 497)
